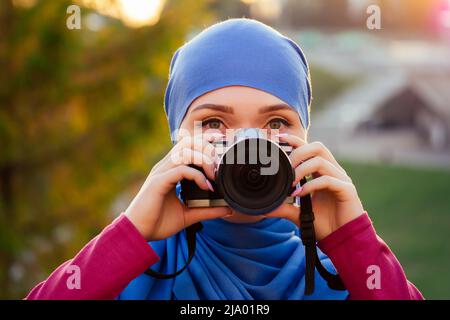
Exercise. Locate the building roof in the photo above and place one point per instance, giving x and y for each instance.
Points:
(434, 89)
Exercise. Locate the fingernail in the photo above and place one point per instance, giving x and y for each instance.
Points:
(296, 192)
(209, 185)
(215, 135)
(281, 135)
(218, 134)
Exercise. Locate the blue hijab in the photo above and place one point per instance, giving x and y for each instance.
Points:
(261, 260)
(237, 52)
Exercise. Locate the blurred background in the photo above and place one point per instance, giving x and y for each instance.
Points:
(82, 121)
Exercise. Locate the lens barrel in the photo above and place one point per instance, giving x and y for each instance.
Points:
(254, 175)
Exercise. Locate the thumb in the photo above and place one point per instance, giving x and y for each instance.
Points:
(194, 215)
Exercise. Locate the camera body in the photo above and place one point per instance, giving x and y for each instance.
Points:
(254, 175)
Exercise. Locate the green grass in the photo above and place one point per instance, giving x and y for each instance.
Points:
(410, 209)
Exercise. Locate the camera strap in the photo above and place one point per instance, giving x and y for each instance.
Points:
(191, 233)
(312, 260)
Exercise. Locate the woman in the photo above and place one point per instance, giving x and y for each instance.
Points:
(238, 73)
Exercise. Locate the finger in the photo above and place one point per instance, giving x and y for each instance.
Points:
(202, 142)
(304, 151)
(193, 215)
(310, 150)
(188, 156)
(174, 156)
(339, 187)
(179, 155)
(170, 178)
(213, 136)
(207, 136)
(317, 165)
(292, 140)
(286, 211)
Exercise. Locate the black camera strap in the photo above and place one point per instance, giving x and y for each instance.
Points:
(308, 237)
(191, 233)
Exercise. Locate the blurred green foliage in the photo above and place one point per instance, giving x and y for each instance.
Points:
(81, 119)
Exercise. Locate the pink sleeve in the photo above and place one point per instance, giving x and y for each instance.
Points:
(368, 268)
(103, 268)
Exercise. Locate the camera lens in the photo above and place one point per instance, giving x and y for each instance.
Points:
(255, 176)
(248, 179)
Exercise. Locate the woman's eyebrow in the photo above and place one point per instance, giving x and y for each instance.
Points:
(215, 107)
(228, 109)
(275, 107)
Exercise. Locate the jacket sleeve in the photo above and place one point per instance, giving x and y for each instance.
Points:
(367, 266)
(103, 268)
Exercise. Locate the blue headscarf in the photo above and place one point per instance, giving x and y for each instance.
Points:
(261, 260)
(237, 52)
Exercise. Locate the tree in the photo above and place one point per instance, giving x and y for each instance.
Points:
(81, 120)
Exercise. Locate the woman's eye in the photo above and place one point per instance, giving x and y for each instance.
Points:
(212, 123)
(276, 124)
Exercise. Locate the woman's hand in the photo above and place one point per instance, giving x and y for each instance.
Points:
(334, 198)
(156, 211)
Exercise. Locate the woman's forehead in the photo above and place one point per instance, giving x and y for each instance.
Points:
(236, 97)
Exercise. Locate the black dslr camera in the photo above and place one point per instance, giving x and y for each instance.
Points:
(254, 175)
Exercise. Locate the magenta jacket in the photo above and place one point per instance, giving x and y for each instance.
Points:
(120, 253)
